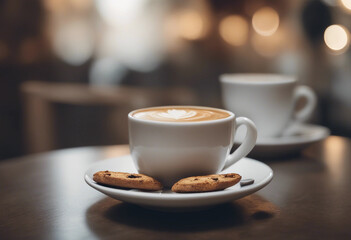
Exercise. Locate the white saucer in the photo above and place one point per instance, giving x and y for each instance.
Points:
(167, 200)
(300, 137)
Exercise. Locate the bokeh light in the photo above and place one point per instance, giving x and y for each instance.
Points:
(346, 4)
(81, 5)
(106, 71)
(265, 21)
(190, 25)
(65, 6)
(73, 41)
(270, 46)
(137, 47)
(234, 30)
(336, 37)
(55, 5)
(118, 13)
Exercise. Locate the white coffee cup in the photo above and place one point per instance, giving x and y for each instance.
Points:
(268, 99)
(169, 151)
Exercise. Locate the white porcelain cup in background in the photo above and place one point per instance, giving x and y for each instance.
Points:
(268, 99)
(169, 151)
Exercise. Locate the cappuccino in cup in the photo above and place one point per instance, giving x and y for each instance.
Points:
(176, 114)
(173, 142)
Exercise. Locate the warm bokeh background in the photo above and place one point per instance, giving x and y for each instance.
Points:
(70, 70)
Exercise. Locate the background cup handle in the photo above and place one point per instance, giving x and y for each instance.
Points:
(304, 113)
(247, 145)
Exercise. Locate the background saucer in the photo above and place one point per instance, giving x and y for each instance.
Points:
(301, 137)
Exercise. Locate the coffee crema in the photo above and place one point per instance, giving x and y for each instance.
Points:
(180, 114)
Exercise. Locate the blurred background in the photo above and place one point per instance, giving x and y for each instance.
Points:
(71, 70)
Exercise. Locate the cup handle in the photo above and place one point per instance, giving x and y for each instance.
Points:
(247, 145)
(304, 113)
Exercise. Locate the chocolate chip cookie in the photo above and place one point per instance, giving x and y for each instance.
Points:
(206, 183)
(127, 180)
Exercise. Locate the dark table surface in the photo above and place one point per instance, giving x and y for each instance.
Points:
(44, 196)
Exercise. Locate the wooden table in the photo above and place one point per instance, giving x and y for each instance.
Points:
(44, 196)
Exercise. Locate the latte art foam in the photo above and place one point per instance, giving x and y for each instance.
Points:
(180, 114)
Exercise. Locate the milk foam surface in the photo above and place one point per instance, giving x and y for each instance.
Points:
(177, 114)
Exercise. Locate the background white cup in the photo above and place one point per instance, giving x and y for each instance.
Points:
(268, 99)
(170, 151)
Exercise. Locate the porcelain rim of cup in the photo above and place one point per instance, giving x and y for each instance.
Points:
(265, 78)
(229, 118)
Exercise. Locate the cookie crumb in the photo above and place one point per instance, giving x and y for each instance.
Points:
(246, 182)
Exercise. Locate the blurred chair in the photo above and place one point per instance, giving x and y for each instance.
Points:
(48, 106)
